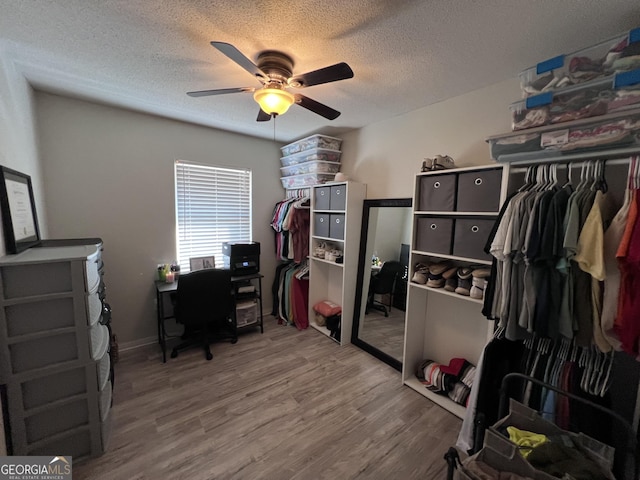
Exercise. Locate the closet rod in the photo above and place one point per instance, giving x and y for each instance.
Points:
(521, 169)
(540, 157)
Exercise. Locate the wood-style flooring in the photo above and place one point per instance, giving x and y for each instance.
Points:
(285, 404)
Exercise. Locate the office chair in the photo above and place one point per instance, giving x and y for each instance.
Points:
(205, 304)
(382, 284)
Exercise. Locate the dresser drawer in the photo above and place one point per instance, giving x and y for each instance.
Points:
(93, 268)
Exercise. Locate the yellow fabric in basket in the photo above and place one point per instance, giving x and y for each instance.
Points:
(526, 441)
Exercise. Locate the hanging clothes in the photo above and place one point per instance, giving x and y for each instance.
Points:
(291, 222)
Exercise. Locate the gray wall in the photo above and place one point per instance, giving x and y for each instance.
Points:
(110, 173)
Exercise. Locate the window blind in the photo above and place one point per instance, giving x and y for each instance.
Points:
(213, 205)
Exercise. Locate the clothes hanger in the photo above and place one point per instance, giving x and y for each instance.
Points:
(569, 170)
(603, 179)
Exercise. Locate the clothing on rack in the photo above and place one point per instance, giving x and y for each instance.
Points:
(549, 255)
(566, 257)
(291, 222)
(290, 291)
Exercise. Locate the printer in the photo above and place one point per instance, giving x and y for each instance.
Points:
(241, 258)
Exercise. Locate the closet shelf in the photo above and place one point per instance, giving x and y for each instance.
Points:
(322, 329)
(328, 239)
(456, 214)
(446, 292)
(322, 260)
(444, 402)
(452, 257)
(550, 157)
(330, 211)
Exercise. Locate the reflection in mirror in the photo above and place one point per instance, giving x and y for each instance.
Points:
(379, 313)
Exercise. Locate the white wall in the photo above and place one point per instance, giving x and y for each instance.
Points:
(18, 145)
(387, 154)
(110, 174)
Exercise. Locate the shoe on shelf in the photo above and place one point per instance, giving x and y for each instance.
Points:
(420, 273)
(451, 284)
(479, 282)
(436, 271)
(464, 281)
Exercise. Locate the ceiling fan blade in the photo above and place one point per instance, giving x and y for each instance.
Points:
(220, 91)
(316, 107)
(236, 55)
(333, 73)
(262, 116)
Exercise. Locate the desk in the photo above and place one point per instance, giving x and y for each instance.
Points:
(166, 289)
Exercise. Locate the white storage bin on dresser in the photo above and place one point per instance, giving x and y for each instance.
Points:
(336, 217)
(454, 211)
(56, 364)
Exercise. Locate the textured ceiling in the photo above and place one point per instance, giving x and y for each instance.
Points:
(406, 54)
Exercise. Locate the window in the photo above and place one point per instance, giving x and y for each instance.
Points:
(213, 205)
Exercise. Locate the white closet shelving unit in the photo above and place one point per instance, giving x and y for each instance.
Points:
(441, 325)
(336, 217)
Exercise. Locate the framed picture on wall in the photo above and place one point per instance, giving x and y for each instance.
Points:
(18, 208)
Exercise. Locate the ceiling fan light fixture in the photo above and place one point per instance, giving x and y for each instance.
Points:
(273, 101)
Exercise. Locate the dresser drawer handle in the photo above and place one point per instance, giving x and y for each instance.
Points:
(436, 185)
(478, 181)
(475, 229)
(433, 226)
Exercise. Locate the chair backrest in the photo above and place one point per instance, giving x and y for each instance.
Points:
(204, 295)
(386, 278)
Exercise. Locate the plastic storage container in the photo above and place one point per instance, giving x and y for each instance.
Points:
(246, 313)
(306, 180)
(618, 92)
(320, 154)
(314, 166)
(605, 58)
(617, 130)
(314, 141)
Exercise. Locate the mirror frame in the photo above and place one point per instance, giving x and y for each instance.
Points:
(364, 231)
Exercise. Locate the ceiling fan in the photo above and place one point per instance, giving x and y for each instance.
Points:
(274, 70)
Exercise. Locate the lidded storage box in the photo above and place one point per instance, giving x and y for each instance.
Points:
(605, 58)
(618, 92)
(619, 129)
(314, 166)
(314, 141)
(306, 180)
(313, 154)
